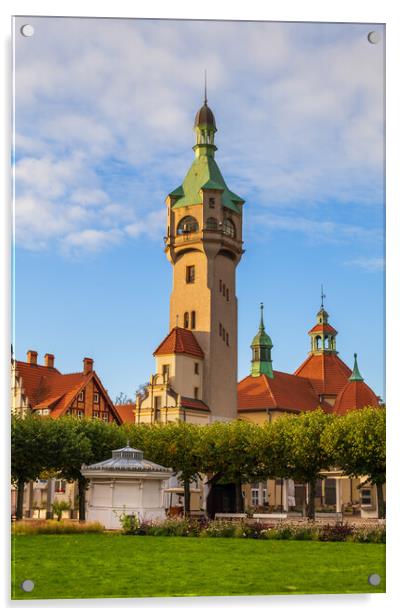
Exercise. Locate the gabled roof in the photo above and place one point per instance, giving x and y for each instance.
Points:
(48, 388)
(181, 341)
(283, 392)
(355, 395)
(326, 371)
(126, 412)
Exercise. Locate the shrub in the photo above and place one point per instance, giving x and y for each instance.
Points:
(337, 532)
(53, 527)
(59, 506)
(369, 534)
(129, 523)
(222, 528)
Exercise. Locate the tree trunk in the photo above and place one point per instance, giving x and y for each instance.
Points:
(20, 499)
(82, 488)
(187, 497)
(239, 497)
(380, 501)
(311, 499)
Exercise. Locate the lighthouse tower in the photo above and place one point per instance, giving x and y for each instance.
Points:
(204, 245)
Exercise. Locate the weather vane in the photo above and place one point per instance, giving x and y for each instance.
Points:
(322, 296)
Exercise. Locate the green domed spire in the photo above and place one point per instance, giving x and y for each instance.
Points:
(356, 376)
(261, 346)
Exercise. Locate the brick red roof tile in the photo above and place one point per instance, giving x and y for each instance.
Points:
(180, 340)
(48, 388)
(284, 392)
(326, 328)
(355, 395)
(126, 412)
(326, 371)
(192, 403)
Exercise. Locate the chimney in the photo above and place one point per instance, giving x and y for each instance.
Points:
(88, 365)
(32, 357)
(49, 360)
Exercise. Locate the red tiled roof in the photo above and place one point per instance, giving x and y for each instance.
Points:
(285, 391)
(326, 371)
(48, 388)
(192, 403)
(326, 328)
(355, 395)
(126, 412)
(180, 340)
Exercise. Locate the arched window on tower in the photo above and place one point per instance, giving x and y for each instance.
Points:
(212, 224)
(185, 320)
(318, 343)
(188, 224)
(228, 228)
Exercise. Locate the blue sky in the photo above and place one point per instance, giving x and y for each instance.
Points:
(103, 131)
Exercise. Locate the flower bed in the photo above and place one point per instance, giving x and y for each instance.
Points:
(247, 529)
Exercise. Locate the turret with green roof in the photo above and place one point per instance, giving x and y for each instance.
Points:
(261, 348)
(204, 173)
(356, 376)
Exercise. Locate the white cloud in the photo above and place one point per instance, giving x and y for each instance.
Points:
(105, 110)
(368, 264)
(90, 240)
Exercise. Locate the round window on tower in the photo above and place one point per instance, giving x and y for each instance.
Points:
(188, 224)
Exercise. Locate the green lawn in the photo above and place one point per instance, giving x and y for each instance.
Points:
(83, 566)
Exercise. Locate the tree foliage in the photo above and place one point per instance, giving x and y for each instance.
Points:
(356, 444)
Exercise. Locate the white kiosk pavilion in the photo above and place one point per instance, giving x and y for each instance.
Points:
(126, 483)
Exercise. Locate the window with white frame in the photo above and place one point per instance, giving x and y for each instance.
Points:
(95, 414)
(254, 497)
(366, 496)
(81, 396)
(60, 485)
(80, 414)
(105, 416)
(96, 397)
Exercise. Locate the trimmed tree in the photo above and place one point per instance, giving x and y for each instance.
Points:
(174, 445)
(29, 454)
(356, 442)
(298, 451)
(230, 451)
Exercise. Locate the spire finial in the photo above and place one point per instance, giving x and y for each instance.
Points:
(323, 296)
(205, 87)
(262, 316)
(355, 376)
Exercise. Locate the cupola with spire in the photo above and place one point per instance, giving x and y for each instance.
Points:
(261, 346)
(205, 129)
(323, 335)
(356, 394)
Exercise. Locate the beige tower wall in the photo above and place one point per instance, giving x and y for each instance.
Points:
(182, 376)
(212, 309)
